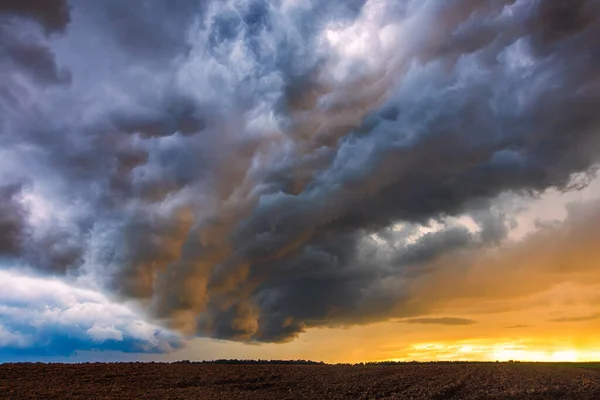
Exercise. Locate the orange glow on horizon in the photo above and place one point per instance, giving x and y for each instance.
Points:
(506, 351)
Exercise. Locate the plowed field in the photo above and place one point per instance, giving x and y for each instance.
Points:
(206, 381)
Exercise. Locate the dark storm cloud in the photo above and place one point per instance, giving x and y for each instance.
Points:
(32, 57)
(13, 220)
(247, 170)
(24, 51)
(559, 21)
(54, 251)
(146, 30)
(53, 15)
(440, 321)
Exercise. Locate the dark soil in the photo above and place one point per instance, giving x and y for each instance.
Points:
(210, 381)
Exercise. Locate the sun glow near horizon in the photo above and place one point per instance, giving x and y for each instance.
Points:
(514, 355)
(505, 351)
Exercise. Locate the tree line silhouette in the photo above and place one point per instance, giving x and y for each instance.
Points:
(236, 361)
(310, 362)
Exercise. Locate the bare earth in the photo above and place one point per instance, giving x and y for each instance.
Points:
(206, 381)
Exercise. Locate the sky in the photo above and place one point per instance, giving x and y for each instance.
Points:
(336, 180)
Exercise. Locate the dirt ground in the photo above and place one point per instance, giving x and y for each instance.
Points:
(209, 381)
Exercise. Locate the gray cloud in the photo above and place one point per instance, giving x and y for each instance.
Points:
(53, 15)
(31, 56)
(26, 51)
(147, 33)
(440, 321)
(250, 170)
(13, 225)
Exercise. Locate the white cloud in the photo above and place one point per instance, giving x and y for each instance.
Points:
(102, 333)
(48, 316)
(11, 339)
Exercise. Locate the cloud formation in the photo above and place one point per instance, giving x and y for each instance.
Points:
(248, 169)
(440, 321)
(577, 319)
(12, 219)
(53, 15)
(504, 279)
(49, 318)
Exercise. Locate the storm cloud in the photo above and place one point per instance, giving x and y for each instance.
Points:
(249, 169)
(12, 220)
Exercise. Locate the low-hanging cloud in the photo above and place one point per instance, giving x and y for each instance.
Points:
(50, 318)
(441, 321)
(249, 169)
(584, 318)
